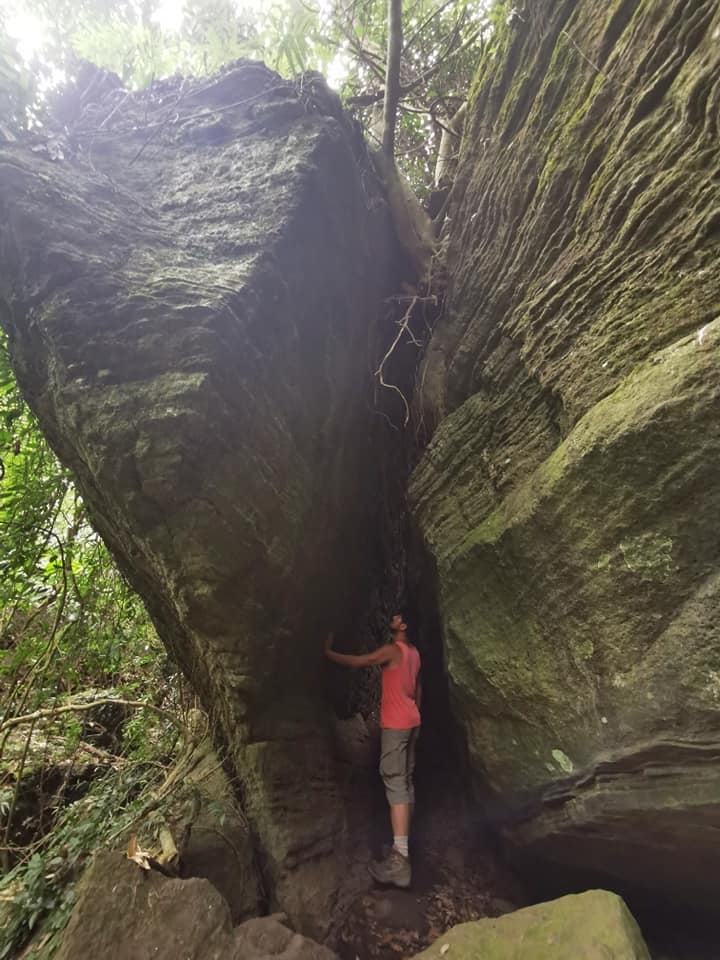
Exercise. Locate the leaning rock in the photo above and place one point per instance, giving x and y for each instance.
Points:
(125, 913)
(190, 301)
(590, 926)
(570, 495)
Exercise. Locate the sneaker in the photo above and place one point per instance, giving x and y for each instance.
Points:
(395, 869)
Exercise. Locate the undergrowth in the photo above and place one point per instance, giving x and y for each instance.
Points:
(37, 895)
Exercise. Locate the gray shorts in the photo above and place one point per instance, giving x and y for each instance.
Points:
(397, 764)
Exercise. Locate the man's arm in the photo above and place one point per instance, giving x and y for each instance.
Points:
(378, 657)
(418, 693)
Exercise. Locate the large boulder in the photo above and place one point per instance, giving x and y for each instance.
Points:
(590, 926)
(569, 498)
(189, 280)
(125, 913)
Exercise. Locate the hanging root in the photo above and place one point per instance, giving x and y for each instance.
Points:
(403, 328)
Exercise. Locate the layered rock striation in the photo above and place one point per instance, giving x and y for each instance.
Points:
(570, 496)
(190, 281)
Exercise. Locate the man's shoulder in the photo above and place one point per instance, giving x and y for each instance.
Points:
(412, 649)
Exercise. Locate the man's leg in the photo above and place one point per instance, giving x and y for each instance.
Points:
(412, 744)
(400, 820)
(393, 769)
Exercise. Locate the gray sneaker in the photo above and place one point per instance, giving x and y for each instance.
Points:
(395, 869)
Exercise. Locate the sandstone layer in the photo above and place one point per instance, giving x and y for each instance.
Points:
(190, 282)
(569, 498)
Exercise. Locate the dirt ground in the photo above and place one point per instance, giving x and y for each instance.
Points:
(459, 875)
(456, 877)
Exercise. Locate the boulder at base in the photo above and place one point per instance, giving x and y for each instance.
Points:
(125, 913)
(589, 926)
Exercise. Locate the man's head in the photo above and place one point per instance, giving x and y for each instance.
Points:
(397, 624)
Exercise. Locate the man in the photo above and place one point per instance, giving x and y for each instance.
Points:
(400, 722)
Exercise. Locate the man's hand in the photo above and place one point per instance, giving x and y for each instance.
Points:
(329, 642)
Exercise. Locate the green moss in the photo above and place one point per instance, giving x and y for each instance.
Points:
(560, 588)
(649, 555)
(651, 385)
(591, 925)
(563, 761)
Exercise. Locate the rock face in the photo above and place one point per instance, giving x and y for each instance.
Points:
(125, 913)
(190, 289)
(569, 497)
(212, 831)
(592, 926)
(190, 301)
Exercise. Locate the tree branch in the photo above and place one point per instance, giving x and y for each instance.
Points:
(80, 708)
(368, 99)
(435, 13)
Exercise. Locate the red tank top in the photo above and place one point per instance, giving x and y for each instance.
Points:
(398, 708)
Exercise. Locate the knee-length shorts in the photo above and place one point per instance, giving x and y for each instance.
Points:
(397, 764)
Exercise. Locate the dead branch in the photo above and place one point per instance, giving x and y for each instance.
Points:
(52, 712)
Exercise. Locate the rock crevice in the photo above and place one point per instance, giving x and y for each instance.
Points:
(191, 298)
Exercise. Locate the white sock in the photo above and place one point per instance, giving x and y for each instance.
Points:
(401, 845)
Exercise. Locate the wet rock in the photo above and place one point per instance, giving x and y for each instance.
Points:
(191, 302)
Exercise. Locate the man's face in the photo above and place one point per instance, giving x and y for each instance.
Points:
(396, 624)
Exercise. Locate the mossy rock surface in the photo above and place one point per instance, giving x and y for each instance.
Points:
(190, 298)
(568, 499)
(590, 926)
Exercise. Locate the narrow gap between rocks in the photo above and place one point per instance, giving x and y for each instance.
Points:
(458, 874)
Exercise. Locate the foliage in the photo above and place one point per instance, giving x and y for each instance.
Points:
(69, 625)
(442, 45)
(345, 40)
(39, 893)
(67, 617)
(16, 85)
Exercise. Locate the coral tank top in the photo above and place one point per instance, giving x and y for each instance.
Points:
(398, 709)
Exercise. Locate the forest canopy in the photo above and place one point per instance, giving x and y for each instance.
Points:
(43, 43)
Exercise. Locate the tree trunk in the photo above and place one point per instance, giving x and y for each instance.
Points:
(392, 76)
(449, 149)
